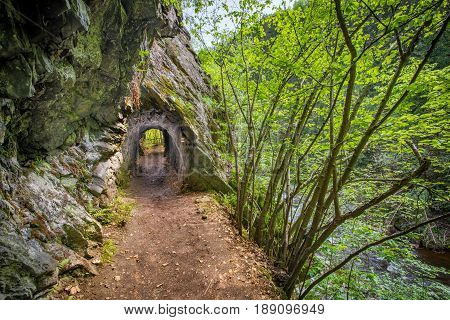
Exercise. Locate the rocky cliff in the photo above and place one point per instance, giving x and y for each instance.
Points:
(79, 82)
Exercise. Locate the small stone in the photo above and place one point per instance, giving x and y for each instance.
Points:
(74, 290)
(117, 278)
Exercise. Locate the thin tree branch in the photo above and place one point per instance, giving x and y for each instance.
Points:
(366, 247)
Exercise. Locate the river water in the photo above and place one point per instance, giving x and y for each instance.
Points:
(436, 259)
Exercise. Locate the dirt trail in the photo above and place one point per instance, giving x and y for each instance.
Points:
(178, 246)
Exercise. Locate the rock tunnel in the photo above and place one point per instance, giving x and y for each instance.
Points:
(186, 154)
(179, 141)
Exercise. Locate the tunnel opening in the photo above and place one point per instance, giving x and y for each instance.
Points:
(171, 153)
(153, 156)
(184, 161)
(152, 142)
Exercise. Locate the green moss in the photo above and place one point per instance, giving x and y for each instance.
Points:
(40, 166)
(85, 97)
(199, 182)
(16, 78)
(70, 140)
(69, 183)
(65, 74)
(175, 3)
(123, 177)
(208, 101)
(74, 239)
(189, 111)
(265, 273)
(88, 51)
(92, 231)
(16, 276)
(166, 83)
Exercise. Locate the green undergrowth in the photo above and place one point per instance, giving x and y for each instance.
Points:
(225, 200)
(123, 178)
(109, 249)
(117, 212)
(39, 165)
(63, 264)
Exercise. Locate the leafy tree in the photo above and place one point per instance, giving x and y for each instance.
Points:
(332, 113)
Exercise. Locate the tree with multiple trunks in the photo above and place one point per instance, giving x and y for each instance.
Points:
(312, 97)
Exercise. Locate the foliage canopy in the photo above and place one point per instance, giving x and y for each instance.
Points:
(334, 115)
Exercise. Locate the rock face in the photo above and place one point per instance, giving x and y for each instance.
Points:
(79, 83)
(175, 96)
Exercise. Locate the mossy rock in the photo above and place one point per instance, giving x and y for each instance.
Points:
(16, 79)
(88, 51)
(18, 283)
(74, 239)
(206, 182)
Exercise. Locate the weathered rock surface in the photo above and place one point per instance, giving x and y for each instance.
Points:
(175, 96)
(79, 82)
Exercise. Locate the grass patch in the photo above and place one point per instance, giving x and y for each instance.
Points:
(62, 264)
(228, 201)
(109, 249)
(266, 273)
(39, 165)
(117, 212)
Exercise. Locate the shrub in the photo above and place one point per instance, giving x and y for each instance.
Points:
(123, 178)
(109, 249)
(117, 212)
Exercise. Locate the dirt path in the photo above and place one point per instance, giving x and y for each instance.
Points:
(178, 246)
